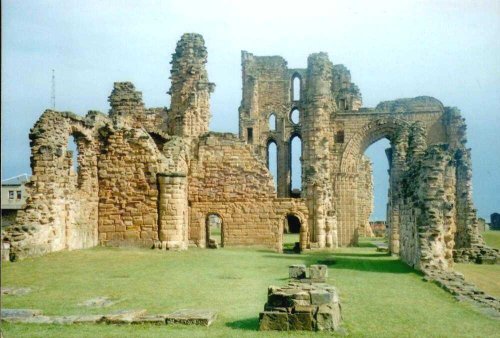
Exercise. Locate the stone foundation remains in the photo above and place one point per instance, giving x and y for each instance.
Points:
(304, 304)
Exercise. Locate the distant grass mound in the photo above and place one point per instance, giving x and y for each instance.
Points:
(380, 295)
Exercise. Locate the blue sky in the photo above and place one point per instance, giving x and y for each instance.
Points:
(446, 49)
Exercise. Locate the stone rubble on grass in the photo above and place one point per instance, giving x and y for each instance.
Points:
(184, 316)
(11, 313)
(455, 283)
(192, 317)
(15, 291)
(306, 304)
(98, 302)
(123, 316)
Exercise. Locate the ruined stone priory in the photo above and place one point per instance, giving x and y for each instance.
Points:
(156, 177)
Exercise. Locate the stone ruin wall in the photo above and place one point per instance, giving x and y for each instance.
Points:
(228, 180)
(62, 207)
(151, 176)
(336, 131)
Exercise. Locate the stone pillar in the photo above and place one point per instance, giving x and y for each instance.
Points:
(173, 211)
(190, 89)
(396, 171)
(317, 137)
(331, 231)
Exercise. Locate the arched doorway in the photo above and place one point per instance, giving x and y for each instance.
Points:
(214, 231)
(291, 234)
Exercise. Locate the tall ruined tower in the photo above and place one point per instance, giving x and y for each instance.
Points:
(190, 89)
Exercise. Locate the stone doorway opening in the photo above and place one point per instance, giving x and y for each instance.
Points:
(215, 235)
(291, 234)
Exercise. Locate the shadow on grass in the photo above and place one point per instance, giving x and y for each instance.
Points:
(250, 324)
(354, 261)
(365, 245)
(347, 254)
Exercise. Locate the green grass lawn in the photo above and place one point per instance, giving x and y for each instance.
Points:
(486, 277)
(492, 238)
(381, 296)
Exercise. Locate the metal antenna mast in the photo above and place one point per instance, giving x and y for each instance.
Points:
(53, 97)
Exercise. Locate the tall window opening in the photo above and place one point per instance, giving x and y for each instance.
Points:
(73, 148)
(296, 166)
(339, 137)
(295, 116)
(250, 135)
(343, 104)
(296, 88)
(291, 234)
(215, 236)
(377, 189)
(272, 122)
(272, 161)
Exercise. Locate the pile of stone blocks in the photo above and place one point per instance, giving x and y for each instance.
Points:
(306, 303)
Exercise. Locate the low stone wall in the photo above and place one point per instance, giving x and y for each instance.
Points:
(248, 222)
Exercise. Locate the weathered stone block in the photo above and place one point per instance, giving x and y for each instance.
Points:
(328, 317)
(304, 308)
(318, 273)
(280, 299)
(123, 316)
(192, 317)
(297, 271)
(320, 297)
(301, 321)
(273, 321)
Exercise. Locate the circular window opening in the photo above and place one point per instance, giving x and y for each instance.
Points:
(295, 116)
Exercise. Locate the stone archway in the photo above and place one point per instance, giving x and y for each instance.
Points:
(301, 225)
(214, 225)
(346, 182)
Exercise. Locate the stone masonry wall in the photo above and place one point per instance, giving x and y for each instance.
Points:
(223, 168)
(227, 179)
(249, 221)
(128, 192)
(61, 210)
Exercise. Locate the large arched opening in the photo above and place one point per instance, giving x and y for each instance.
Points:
(355, 186)
(373, 191)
